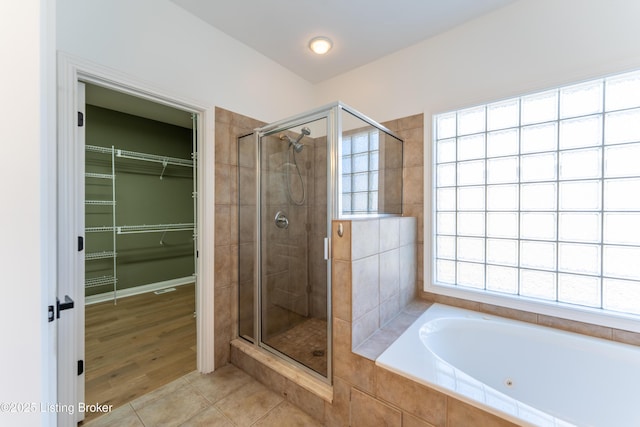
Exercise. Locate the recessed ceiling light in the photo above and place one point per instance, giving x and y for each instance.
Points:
(320, 45)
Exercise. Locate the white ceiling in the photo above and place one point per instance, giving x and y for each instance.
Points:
(362, 30)
(129, 104)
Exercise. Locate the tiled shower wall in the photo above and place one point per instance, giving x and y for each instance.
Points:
(228, 127)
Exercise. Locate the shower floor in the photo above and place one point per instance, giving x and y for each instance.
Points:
(306, 342)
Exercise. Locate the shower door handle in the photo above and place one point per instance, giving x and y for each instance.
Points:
(327, 249)
(281, 220)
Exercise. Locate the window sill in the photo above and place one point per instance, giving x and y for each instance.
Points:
(607, 319)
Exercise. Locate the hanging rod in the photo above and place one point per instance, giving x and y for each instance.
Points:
(155, 228)
(153, 158)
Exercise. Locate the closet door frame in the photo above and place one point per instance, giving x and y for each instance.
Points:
(70, 340)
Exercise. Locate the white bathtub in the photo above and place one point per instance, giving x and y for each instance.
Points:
(528, 374)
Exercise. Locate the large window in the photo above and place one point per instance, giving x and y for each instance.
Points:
(538, 197)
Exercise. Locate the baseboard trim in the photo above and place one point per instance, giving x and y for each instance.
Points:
(151, 287)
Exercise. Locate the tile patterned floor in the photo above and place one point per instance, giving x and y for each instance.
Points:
(306, 343)
(228, 397)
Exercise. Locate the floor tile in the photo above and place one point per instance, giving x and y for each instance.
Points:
(210, 417)
(248, 404)
(219, 384)
(286, 414)
(173, 409)
(123, 416)
(159, 393)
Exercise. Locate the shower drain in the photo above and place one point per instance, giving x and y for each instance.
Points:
(318, 353)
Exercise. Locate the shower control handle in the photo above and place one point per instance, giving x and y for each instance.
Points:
(281, 220)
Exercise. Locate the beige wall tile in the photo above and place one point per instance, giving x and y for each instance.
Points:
(409, 420)
(411, 122)
(413, 185)
(336, 414)
(456, 302)
(428, 404)
(626, 337)
(222, 138)
(366, 411)
(222, 325)
(460, 414)
(310, 403)
(243, 361)
(223, 116)
(413, 146)
(222, 266)
(356, 370)
(341, 248)
(341, 292)
(510, 313)
(573, 326)
(223, 184)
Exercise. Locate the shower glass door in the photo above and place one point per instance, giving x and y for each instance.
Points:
(294, 223)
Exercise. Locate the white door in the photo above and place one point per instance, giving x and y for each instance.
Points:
(70, 310)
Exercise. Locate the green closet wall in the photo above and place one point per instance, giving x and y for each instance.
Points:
(142, 198)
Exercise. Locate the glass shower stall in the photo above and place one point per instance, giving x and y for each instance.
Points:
(294, 177)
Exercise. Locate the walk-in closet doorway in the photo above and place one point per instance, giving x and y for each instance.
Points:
(139, 245)
(132, 225)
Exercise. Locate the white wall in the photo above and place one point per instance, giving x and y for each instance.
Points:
(157, 42)
(27, 191)
(523, 47)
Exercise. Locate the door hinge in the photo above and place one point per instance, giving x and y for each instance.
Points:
(66, 305)
(51, 313)
(80, 367)
(80, 119)
(80, 243)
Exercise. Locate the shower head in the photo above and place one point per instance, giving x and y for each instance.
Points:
(297, 145)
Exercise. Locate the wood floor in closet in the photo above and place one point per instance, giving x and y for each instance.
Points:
(138, 345)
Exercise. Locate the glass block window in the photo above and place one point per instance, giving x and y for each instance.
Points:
(360, 165)
(539, 196)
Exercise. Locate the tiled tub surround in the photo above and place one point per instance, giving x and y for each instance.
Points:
(527, 373)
